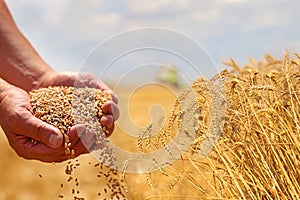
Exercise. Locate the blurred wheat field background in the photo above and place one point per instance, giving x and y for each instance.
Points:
(256, 157)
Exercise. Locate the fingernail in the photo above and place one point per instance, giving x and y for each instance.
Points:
(55, 140)
(103, 119)
(107, 121)
(80, 129)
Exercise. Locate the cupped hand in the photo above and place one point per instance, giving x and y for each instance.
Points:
(78, 80)
(20, 127)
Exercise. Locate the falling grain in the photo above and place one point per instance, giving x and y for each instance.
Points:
(64, 107)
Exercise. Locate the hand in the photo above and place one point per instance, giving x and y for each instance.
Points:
(20, 127)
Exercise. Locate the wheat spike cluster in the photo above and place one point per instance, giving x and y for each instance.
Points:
(257, 155)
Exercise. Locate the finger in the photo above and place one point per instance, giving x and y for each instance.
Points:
(107, 121)
(94, 147)
(78, 80)
(81, 139)
(111, 108)
(74, 79)
(86, 80)
(108, 124)
(88, 138)
(103, 86)
(41, 131)
(66, 79)
(82, 147)
(46, 154)
(110, 130)
(75, 132)
(39, 151)
(115, 98)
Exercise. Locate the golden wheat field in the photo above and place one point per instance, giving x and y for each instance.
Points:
(256, 154)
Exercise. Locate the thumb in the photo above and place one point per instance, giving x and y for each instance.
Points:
(42, 132)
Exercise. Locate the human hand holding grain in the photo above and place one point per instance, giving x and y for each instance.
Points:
(20, 127)
(21, 71)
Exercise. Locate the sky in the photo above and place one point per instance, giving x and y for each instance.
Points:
(64, 32)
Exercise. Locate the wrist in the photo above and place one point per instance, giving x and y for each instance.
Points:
(37, 72)
(44, 80)
(4, 86)
(23, 71)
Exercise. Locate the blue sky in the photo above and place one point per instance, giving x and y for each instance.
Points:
(65, 31)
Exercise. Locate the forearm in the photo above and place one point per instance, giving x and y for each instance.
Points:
(20, 64)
